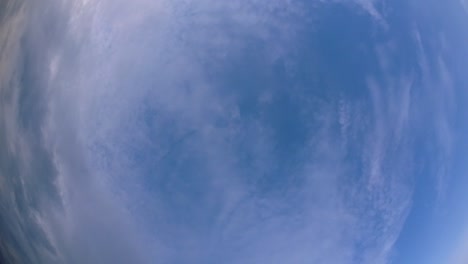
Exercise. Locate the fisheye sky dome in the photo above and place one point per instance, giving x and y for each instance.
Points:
(234, 132)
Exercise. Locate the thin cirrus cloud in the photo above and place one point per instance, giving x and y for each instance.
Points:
(229, 213)
(165, 148)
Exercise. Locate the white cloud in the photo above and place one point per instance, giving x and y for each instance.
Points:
(436, 79)
(91, 111)
(370, 8)
(23, 159)
(110, 82)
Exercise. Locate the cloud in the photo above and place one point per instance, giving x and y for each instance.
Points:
(436, 78)
(98, 192)
(370, 7)
(165, 126)
(224, 191)
(25, 170)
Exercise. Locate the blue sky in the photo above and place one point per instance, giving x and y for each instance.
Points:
(235, 132)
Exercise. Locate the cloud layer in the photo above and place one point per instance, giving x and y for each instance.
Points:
(220, 132)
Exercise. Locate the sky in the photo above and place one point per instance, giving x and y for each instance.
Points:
(157, 131)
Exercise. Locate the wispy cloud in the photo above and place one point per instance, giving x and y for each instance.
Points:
(220, 196)
(165, 147)
(370, 7)
(25, 170)
(440, 105)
